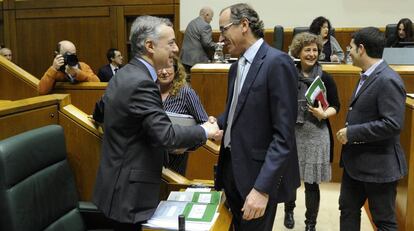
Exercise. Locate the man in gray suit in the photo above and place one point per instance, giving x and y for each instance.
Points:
(137, 130)
(372, 157)
(197, 41)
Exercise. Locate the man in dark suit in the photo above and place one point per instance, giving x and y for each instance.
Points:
(115, 60)
(258, 163)
(197, 42)
(372, 157)
(137, 130)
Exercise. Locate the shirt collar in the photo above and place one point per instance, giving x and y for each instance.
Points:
(372, 68)
(113, 67)
(150, 68)
(250, 53)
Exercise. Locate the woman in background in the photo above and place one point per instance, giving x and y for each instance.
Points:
(178, 97)
(332, 51)
(313, 131)
(403, 33)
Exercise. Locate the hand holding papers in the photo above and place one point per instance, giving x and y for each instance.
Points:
(317, 91)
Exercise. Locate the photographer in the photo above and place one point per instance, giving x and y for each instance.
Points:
(65, 67)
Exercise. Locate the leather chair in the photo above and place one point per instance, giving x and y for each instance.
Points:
(37, 188)
(390, 30)
(300, 29)
(278, 37)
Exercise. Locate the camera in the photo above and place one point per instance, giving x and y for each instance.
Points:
(70, 60)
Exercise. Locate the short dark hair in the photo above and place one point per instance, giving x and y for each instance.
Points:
(242, 10)
(317, 23)
(110, 54)
(372, 39)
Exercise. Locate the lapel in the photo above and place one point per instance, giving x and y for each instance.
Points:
(250, 78)
(372, 78)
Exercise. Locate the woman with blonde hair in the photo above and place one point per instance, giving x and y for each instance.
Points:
(178, 97)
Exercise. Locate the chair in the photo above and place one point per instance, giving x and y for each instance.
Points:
(390, 30)
(300, 29)
(37, 188)
(278, 37)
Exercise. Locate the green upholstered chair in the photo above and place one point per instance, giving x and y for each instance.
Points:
(37, 188)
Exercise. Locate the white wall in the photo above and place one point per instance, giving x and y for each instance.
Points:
(291, 13)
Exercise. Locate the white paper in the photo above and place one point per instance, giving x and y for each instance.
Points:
(204, 198)
(197, 211)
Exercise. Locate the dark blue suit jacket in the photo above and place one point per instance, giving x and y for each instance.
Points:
(263, 144)
(105, 73)
(374, 122)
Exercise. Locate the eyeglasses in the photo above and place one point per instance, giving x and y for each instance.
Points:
(226, 27)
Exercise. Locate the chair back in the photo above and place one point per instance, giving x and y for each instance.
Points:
(390, 30)
(37, 189)
(278, 37)
(299, 29)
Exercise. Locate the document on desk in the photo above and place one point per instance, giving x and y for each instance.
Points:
(197, 216)
(213, 197)
(411, 95)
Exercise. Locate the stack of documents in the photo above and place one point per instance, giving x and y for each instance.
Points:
(199, 209)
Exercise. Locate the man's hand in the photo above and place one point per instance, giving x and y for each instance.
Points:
(255, 205)
(219, 133)
(341, 136)
(58, 61)
(72, 71)
(212, 129)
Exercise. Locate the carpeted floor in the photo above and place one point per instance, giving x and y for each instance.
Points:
(328, 218)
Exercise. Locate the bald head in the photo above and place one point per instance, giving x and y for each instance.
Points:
(207, 14)
(66, 46)
(6, 52)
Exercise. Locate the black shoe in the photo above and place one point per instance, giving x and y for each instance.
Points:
(310, 228)
(289, 220)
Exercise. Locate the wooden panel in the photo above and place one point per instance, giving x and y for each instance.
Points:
(89, 34)
(83, 95)
(201, 164)
(404, 202)
(14, 124)
(83, 149)
(73, 3)
(63, 13)
(14, 88)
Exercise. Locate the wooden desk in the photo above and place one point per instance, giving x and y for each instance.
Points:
(405, 189)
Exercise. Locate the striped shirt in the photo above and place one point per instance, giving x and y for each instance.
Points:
(187, 102)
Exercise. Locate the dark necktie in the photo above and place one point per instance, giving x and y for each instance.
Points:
(237, 88)
(116, 69)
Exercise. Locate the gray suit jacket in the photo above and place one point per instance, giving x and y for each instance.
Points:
(197, 42)
(137, 135)
(374, 122)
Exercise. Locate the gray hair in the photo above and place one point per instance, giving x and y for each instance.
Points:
(205, 10)
(145, 28)
(243, 10)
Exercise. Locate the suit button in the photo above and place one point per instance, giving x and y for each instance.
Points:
(350, 108)
(346, 124)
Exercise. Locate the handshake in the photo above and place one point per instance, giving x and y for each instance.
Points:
(212, 129)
